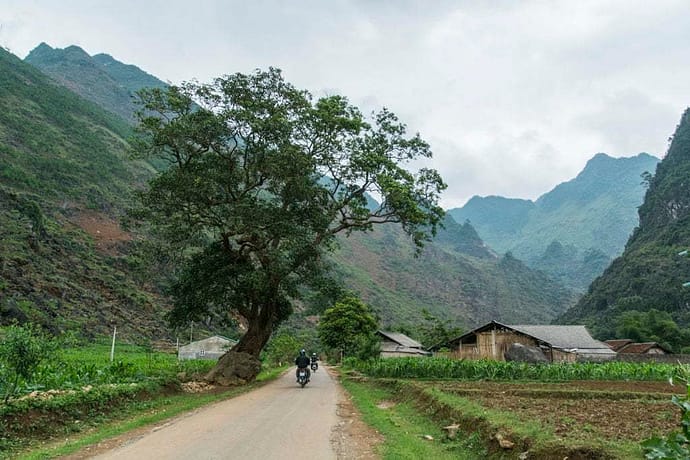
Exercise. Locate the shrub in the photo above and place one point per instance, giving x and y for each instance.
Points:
(21, 352)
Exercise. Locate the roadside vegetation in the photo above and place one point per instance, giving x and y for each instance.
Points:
(53, 389)
(513, 410)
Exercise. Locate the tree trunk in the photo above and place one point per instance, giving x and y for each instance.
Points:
(241, 364)
(256, 337)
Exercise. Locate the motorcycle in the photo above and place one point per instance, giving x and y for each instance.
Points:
(314, 366)
(302, 377)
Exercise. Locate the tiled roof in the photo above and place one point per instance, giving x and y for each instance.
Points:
(401, 339)
(639, 348)
(617, 344)
(566, 337)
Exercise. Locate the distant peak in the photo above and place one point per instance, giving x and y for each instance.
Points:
(74, 49)
(601, 159)
(43, 49)
(42, 46)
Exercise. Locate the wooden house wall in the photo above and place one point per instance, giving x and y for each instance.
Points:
(504, 339)
(560, 356)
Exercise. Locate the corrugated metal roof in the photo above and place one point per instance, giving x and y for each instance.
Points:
(400, 338)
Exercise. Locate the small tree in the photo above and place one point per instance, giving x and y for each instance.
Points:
(347, 326)
(436, 331)
(281, 349)
(22, 350)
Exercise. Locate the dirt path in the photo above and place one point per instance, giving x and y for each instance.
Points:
(268, 423)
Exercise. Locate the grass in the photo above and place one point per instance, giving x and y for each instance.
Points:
(137, 415)
(403, 428)
(414, 409)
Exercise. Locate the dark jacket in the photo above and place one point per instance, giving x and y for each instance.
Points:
(302, 361)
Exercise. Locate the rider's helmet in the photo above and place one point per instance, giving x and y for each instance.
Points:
(302, 352)
(314, 355)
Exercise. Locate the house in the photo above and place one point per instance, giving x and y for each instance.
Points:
(210, 348)
(617, 344)
(395, 344)
(628, 347)
(559, 343)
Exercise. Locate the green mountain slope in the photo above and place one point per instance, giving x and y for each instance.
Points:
(455, 277)
(100, 79)
(589, 217)
(64, 177)
(641, 294)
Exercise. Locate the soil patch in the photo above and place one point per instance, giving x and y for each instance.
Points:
(616, 411)
(352, 438)
(104, 230)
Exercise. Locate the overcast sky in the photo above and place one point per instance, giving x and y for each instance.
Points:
(514, 96)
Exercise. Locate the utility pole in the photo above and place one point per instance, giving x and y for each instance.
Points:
(112, 347)
(684, 254)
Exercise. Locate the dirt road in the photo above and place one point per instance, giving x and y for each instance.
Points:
(269, 423)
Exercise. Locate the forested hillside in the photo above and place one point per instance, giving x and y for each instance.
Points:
(573, 231)
(66, 263)
(65, 178)
(455, 277)
(641, 295)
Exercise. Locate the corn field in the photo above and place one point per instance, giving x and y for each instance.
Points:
(75, 368)
(444, 368)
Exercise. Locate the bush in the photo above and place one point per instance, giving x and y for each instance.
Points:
(22, 350)
(675, 446)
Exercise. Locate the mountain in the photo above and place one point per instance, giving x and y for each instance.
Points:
(68, 157)
(65, 178)
(100, 78)
(588, 218)
(641, 294)
(456, 277)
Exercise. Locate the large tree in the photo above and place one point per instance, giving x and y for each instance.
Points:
(260, 179)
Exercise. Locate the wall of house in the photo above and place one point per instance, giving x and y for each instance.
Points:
(504, 339)
(559, 356)
(644, 358)
(398, 354)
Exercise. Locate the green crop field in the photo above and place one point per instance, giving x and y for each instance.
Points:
(574, 410)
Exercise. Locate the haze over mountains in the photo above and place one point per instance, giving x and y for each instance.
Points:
(573, 231)
(61, 225)
(641, 294)
(66, 179)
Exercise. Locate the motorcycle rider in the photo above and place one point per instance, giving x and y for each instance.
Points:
(314, 361)
(302, 362)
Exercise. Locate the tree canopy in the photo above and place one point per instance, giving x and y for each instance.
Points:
(261, 177)
(347, 325)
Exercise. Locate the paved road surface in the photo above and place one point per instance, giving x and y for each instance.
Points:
(268, 423)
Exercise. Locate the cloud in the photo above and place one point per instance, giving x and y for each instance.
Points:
(514, 96)
(629, 122)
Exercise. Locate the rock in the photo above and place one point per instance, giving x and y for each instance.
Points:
(452, 430)
(234, 368)
(504, 442)
(525, 353)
